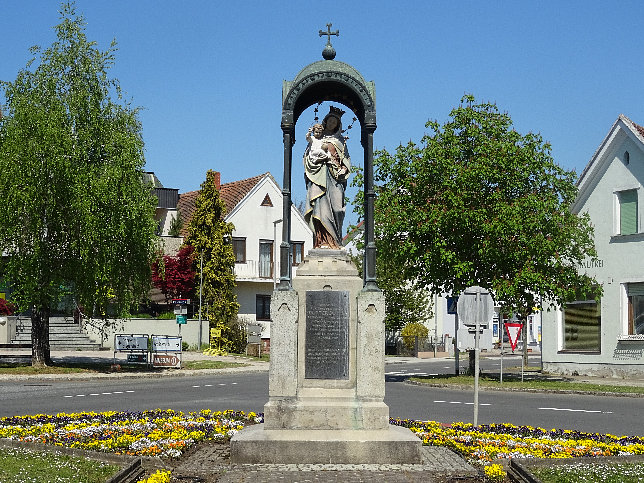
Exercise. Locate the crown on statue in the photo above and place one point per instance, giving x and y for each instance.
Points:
(334, 111)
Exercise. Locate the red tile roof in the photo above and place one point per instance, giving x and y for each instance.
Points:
(231, 194)
(639, 128)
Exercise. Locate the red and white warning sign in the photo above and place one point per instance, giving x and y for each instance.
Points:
(513, 329)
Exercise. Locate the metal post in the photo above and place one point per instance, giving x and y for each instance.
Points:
(200, 297)
(456, 350)
(502, 326)
(476, 362)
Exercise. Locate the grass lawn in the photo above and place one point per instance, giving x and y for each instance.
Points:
(592, 472)
(19, 465)
(531, 381)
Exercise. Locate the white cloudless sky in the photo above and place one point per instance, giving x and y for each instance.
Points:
(208, 74)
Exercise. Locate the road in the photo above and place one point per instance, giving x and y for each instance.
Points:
(249, 392)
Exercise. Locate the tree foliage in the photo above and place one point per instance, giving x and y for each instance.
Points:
(477, 203)
(404, 303)
(175, 275)
(75, 216)
(211, 238)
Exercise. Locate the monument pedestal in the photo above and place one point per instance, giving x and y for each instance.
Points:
(326, 378)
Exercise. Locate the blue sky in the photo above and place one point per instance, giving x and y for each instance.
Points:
(209, 74)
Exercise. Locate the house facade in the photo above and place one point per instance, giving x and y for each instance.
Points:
(607, 338)
(254, 207)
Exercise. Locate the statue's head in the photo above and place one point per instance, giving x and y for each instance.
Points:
(317, 130)
(332, 121)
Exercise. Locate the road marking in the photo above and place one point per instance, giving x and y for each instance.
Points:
(576, 410)
(207, 385)
(97, 394)
(460, 402)
(196, 386)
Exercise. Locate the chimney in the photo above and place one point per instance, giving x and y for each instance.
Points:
(218, 180)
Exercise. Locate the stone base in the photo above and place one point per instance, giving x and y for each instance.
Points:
(256, 445)
(326, 413)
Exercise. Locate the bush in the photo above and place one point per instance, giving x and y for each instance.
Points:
(6, 308)
(412, 330)
(234, 335)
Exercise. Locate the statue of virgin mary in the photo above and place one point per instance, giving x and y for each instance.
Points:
(326, 182)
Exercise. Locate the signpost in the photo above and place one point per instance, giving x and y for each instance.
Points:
(514, 330)
(452, 309)
(254, 336)
(181, 311)
(475, 307)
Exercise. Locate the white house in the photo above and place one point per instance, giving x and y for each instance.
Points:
(254, 206)
(607, 338)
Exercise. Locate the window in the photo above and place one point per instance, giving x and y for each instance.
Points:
(582, 326)
(297, 254)
(263, 307)
(239, 247)
(266, 259)
(635, 308)
(627, 212)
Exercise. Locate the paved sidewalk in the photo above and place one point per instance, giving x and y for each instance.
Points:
(210, 463)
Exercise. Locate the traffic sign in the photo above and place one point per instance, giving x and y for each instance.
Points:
(180, 301)
(182, 319)
(513, 329)
(475, 306)
(451, 305)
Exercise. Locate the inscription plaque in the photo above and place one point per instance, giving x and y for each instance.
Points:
(327, 334)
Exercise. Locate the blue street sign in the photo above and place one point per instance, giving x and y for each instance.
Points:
(451, 305)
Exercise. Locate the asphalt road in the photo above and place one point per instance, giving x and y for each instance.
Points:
(249, 392)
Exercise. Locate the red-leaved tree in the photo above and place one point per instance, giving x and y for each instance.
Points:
(175, 276)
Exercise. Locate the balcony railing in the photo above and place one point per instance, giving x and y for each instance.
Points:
(256, 270)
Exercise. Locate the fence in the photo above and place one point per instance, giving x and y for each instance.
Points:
(412, 347)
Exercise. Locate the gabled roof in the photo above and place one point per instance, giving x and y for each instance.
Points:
(231, 194)
(592, 172)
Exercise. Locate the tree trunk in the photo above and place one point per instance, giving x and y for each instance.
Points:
(40, 351)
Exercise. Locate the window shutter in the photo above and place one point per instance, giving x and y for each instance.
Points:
(628, 212)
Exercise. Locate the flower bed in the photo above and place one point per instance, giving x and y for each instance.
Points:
(148, 433)
(168, 433)
(504, 441)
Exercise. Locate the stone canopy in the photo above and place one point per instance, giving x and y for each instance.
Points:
(329, 80)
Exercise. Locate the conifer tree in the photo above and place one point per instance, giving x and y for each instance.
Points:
(211, 237)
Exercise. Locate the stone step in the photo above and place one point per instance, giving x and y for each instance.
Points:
(64, 334)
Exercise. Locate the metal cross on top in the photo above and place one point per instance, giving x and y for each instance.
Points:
(328, 33)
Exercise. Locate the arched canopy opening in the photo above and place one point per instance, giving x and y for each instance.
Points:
(329, 80)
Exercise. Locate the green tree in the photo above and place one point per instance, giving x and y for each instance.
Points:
(76, 217)
(477, 203)
(211, 238)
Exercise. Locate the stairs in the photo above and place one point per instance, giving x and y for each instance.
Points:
(64, 335)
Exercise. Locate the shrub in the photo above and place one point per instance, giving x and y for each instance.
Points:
(412, 330)
(6, 308)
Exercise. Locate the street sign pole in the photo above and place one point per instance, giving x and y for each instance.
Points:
(502, 330)
(456, 349)
(476, 361)
(476, 311)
